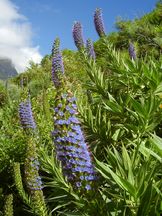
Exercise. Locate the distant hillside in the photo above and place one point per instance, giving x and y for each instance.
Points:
(7, 69)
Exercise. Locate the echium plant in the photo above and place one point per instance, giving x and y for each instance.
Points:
(90, 49)
(69, 142)
(8, 205)
(78, 35)
(31, 165)
(132, 52)
(57, 62)
(99, 23)
(26, 116)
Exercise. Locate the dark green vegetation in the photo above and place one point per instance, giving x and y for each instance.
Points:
(122, 119)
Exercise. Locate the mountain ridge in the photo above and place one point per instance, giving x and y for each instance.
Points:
(7, 69)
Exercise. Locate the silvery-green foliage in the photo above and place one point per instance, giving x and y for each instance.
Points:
(126, 108)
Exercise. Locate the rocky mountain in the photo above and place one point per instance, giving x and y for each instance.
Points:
(7, 69)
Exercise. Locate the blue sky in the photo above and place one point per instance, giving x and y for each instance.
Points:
(29, 27)
(51, 18)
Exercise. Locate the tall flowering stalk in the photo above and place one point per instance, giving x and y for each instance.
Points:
(8, 205)
(26, 116)
(69, 141)
(90, 49)
(31, 165)
(32, 178)
(99, 23)
(18, 182)
(78, 35)
(57, 63)
(132, 52)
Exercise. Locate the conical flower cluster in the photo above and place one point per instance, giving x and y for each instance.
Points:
(70, 144)
(98, 21)
(90, 49)
(57, 63)
(26, 116)
(132, 52)
(78, 35)
(32, 178)
(33, 181)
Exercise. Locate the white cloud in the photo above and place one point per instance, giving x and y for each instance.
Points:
(16, 37)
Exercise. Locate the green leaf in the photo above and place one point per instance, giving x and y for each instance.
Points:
(145, 201)
(158, 90)
(157, 142)
(116, 134)
(128, 165)
(105, 170)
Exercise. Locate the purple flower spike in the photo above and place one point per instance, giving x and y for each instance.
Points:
(70, 145)
(34, 180)
(132, 52)
(26, 116)
(78, 35)
(99, 24)
(90, 49)
(57, 63)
